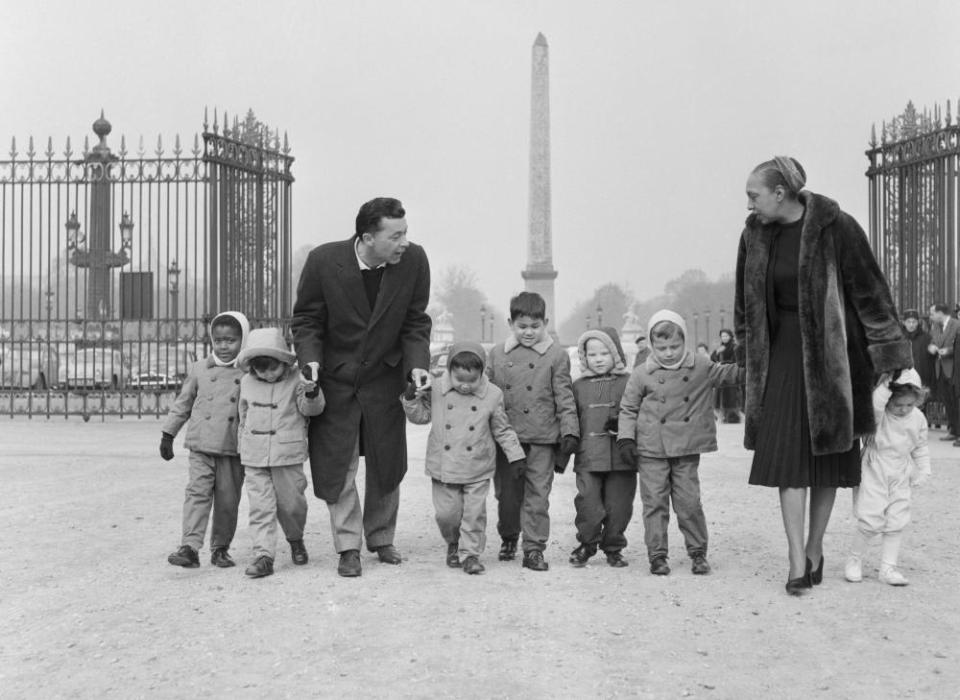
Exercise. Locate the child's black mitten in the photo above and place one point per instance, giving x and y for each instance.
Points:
(166, 446)
(628, 451)
(612, 425)
(410, 393)
(568, 445)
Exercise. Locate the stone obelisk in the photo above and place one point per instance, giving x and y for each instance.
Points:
(539, 273)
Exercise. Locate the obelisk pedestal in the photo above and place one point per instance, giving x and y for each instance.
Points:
(539, 274)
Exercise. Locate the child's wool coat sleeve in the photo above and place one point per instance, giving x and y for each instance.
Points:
(504, 434)
(630, 405)
(418, 409)
(182, 407)
(563, 396)
(725, 374)
(920, 453)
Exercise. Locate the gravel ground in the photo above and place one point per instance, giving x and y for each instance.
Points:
(91, 609)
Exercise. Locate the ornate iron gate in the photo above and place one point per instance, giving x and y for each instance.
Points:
(913, 205)
(112, 264)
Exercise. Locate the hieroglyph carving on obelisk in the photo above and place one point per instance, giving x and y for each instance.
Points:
(539, 273)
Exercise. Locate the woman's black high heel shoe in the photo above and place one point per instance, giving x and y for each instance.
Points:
(801, 584)
(816, 576)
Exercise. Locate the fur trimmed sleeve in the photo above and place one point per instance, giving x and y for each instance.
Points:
(866, 289)
(739, 316)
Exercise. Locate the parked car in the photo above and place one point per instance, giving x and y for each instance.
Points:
(162, 366)
(27, 365)
(92, 368)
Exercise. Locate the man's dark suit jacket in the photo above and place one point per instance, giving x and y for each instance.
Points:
(944, 338)
(365, 357)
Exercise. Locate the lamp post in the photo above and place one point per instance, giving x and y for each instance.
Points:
(94, 251)
(599, 316)
(588, 321)
(173, 287)
(483, 322)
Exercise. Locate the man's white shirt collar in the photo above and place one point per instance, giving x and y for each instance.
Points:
(363, 265)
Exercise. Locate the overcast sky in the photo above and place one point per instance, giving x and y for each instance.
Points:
(659, 110)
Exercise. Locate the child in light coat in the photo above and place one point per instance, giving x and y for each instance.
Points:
(667, 421)
(207, 405)
(895, 459)
(468, 422)
(275, 405)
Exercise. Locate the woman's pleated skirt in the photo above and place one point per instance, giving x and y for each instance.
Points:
(783, 455)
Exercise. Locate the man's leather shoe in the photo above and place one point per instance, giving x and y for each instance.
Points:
(349, 565)
(263, 566)
(298, 552)
(388, 554)
(508, 550)
(581, 555)
(186, 557)
(453, 557)
(534, 561)
(700, 565)
(220, 557)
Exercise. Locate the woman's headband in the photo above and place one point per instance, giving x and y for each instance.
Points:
(791, 174)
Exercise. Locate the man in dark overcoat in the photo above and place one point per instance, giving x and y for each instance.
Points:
(360, 325)
(943, 333)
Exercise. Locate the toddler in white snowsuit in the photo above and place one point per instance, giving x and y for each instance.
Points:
(894, 459)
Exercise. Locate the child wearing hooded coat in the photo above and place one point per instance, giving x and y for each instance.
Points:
(207, 405)
(275, 406)
(606, 484)
(666, 423)
(469, 420)
(895, 459)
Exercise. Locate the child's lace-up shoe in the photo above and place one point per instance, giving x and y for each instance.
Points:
(220, 557)
(700, 565)
(263, 566)
(186, 557)
(581, 555)
(453, 557)
(891, 576)
(508, 550)
(472, 565)
(658, 567)
(534, 561)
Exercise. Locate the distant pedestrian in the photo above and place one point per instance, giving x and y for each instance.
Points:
(643, 350)
(895, 460)
(207, 405)
(666, 422)
(275, 406)
(468, 423)
(534, 374)
(944, 329)
(728, 398)
(606, 484)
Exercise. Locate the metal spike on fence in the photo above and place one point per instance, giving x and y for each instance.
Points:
(948, 118)
(30, 151)
(286, 144)
(123, 146)
(873, 135)
(86, 146)
(159, 150)
(216, 124)
(68, 151)
(196, 145)
(49, 152)
(883, 132)
(13, 148)
(226, 124)
(177, 150)
(141, 151)
(276, 141)
(205, 121)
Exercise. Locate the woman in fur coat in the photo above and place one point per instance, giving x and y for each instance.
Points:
(815, 321)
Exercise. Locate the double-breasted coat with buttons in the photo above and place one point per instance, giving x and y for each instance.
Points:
(365, 356)
(273, 420)
(207, 403)
(461, 447)
(669, 412)
(537, 390)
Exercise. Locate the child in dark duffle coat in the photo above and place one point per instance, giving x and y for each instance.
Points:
(666, 423)
(606, 484)
(275, 405)
(207, 405)
(468, 423)
(534, 374)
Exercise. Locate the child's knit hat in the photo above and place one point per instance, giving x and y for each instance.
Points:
(469, 346)
(611, 339)
(239, 318)
(267, 342)
(667, 315)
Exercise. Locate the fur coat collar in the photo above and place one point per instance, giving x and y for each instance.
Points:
(848, 324)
